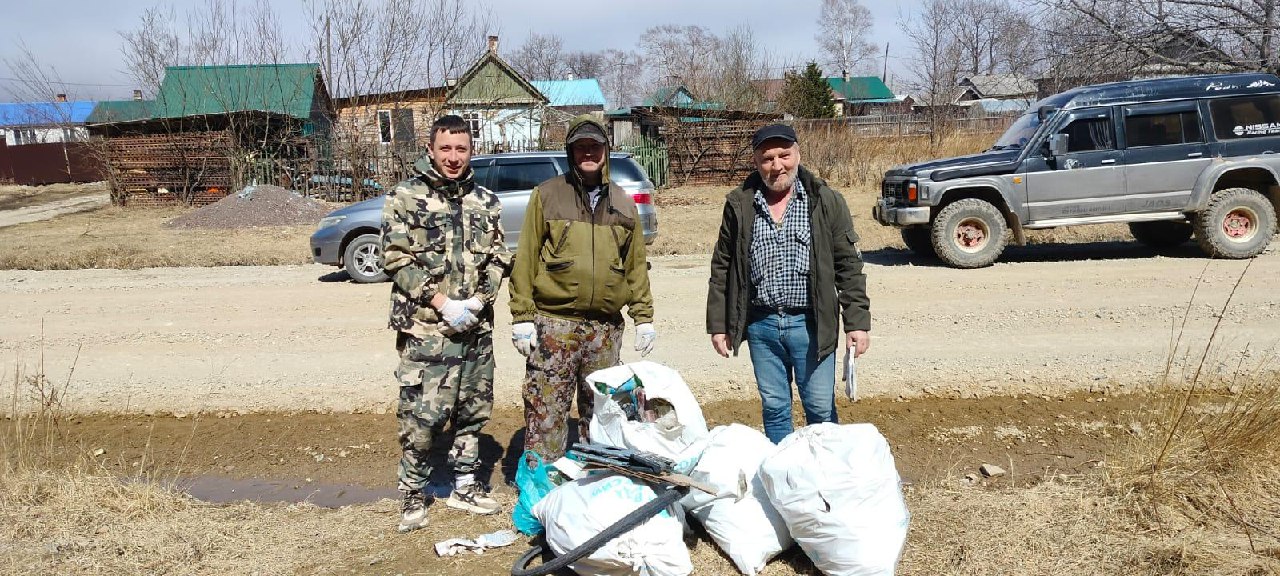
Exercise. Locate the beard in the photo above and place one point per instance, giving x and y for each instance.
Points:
(782, 183)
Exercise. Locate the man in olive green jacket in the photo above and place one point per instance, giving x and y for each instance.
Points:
(580, 260)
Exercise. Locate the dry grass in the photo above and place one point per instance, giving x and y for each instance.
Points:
(133, 238)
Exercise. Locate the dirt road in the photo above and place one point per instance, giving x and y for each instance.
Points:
(247, 339)
(49, 210)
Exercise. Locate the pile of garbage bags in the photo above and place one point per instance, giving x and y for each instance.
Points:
(832, 489)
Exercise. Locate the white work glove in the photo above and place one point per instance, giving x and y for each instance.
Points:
(457, 315)
(645, 335)
(473, 304)
(525, 336)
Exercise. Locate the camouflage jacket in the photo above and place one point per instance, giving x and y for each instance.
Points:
(445, 236)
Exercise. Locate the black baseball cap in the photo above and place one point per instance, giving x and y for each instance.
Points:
(772, 131)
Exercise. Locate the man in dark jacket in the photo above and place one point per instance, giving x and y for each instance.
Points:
(785, 272)
(580, 260)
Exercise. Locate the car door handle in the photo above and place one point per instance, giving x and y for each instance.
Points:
(1108, 161)
(1195, 154)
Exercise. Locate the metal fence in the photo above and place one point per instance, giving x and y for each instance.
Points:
(651, 155)
(50, 163)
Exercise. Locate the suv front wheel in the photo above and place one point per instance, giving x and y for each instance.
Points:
(1237, 223)
(969, 233)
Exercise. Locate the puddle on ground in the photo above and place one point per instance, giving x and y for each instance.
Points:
(223, 490)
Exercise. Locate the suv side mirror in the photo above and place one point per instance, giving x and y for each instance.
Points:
(1057, 145)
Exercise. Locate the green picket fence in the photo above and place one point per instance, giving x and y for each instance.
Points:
(652, 156)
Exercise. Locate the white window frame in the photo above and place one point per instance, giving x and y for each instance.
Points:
(385, 136)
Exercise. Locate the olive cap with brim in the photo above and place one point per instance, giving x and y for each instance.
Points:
(586, 130)
(773, 132)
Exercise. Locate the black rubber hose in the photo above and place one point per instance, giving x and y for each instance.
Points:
(622, 526)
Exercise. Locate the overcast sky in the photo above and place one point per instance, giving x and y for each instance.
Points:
(80, 39)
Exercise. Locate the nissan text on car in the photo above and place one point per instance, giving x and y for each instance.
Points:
(349, 237)
(1174, 158)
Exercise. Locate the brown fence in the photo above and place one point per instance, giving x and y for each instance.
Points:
(170, 168)
(906, 125)
(49, 163)
(708, 152)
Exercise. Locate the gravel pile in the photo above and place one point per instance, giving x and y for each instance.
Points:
(255, 206)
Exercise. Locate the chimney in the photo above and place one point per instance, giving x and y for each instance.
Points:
(137, 94)
(845, 75)
(493, 44)
(60, 98)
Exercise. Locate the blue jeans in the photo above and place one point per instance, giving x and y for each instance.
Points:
(782, 347)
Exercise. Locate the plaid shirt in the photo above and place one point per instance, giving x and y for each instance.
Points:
(780, 253)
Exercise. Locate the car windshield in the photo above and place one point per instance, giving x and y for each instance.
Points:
(1019, 133)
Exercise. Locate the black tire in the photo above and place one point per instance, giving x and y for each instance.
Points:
(1237, 223)
(1162, 234)
(969, 233)
(363, 259)
(919, 239)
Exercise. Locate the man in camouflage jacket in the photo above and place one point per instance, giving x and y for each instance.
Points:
(443, 247)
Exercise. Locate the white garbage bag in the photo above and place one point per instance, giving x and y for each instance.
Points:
(739, 517)
(579, 510)
(838, 490)
(678, 432)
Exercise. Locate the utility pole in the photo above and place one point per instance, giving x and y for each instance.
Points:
(328, 50)
(884, 76)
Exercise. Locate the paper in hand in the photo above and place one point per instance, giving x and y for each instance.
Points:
(850, 375)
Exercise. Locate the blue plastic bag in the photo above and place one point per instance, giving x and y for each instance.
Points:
(534, 479)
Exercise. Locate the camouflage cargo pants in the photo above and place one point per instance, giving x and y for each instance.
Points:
(556, 372)
(442, 383)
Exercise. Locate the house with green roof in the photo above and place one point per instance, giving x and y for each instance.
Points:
(212, 129)
(192, 96)
(864, 96)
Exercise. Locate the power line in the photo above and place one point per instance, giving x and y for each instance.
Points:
(64, 83)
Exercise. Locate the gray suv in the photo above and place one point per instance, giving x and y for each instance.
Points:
(1172, 157)
(349, 237)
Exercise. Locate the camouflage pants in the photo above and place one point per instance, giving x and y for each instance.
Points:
(568, 350)
(439, 385)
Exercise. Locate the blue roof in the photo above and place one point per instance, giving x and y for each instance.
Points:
(584, 92)
(44, 113)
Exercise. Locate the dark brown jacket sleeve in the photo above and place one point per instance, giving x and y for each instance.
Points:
(717, 309)
(851, 282)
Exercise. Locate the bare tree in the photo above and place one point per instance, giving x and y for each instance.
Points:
(623, 78)
(152, 46)
(541, 57)
(843, 28)
(1149, 37)
(586, 64)
(737, 63)
(993, 37)
(935, 62)
(679, 55)
(371, 47)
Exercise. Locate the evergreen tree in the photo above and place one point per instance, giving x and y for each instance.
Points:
(807, 95)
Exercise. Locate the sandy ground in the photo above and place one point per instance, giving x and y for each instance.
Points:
(1046, 321)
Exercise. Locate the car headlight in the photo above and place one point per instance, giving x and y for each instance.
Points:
(328, 221)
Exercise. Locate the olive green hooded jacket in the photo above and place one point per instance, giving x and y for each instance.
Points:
(577, 263)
